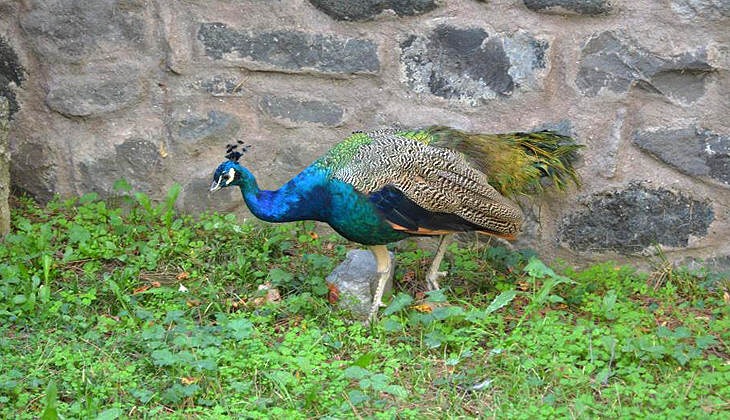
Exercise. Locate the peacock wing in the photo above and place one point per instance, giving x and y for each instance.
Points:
(419, 188)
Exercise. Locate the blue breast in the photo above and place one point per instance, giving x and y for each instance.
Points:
(314, 195)
(353, 216)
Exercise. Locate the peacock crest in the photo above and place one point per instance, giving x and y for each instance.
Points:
(234, 155)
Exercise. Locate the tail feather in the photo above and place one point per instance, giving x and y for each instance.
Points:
(515, 163)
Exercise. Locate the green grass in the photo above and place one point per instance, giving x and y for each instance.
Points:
(129, 310)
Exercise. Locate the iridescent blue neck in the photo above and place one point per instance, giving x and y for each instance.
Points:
(304, 197)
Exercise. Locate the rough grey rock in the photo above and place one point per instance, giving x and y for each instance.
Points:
(610, 63)
(573, 7)
(290, 51)
(629, 220)
(685, 85)
(302, 111)
(216, 129)
(67, 30)
(91, 95)
(10, 72)
(30, 164)
(355, 279)
(692, 150)
(469, 65)
(360, 10)
(137, 161)
(704, 9)
(607, 166)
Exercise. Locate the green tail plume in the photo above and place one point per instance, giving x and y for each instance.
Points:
(515, 163)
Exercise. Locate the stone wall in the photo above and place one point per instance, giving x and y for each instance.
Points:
(151, 91)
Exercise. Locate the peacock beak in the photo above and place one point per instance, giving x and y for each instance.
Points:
(216, 185)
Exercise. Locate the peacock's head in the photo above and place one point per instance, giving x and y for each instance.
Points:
(229, 172)
(226, 175)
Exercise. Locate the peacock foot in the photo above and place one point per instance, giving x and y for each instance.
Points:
(434, 274)
(433, 278)
(385, 270)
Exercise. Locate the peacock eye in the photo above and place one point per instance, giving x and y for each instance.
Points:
(229, 176)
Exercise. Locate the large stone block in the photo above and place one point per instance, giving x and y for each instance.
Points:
(630, 220)
(572, 7)
(359, 10)
(610, 146)
(67, 30)
(195, 133)
(137, 161)
(468, 65)
(295, 110)
(609, 63)
(290, 51)
(94, 94)
(690, 150)
(11, 71)
(31, 167)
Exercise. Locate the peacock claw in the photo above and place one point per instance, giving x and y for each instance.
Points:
(433, 277)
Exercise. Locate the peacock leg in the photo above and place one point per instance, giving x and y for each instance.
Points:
(384, 273)
(433, 274)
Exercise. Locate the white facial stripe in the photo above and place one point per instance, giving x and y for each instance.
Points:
(218, 185)
(231, 175)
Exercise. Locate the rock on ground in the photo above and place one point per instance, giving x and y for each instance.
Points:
(356, 280)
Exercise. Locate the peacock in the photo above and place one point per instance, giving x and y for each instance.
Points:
(382, 186)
